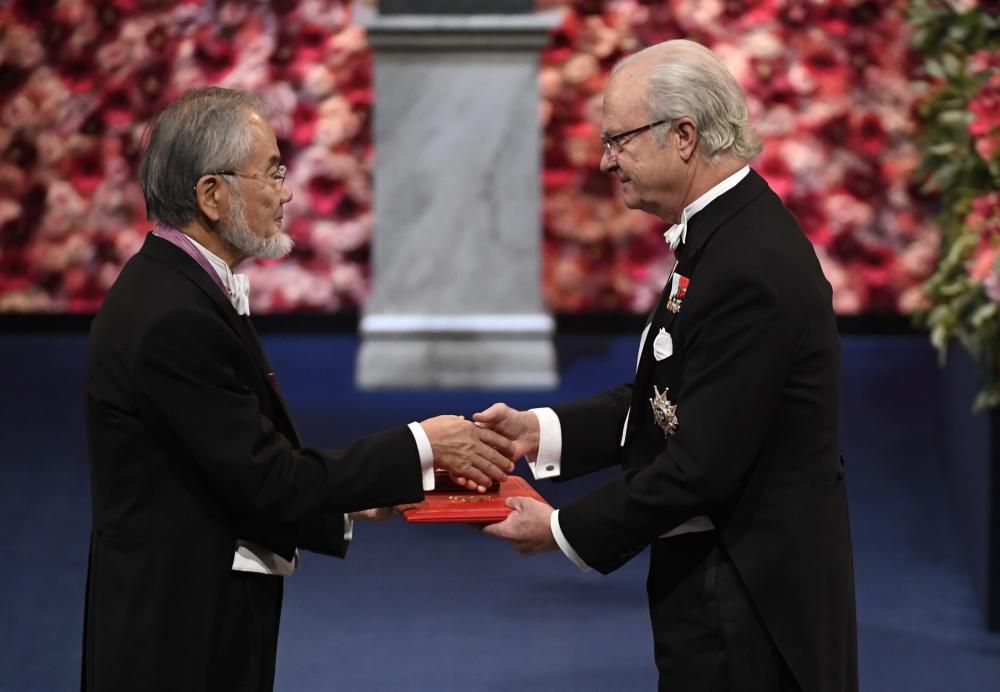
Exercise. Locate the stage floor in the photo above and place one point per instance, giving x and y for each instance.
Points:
(443, 608)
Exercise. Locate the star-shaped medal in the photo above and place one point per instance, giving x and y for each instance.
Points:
(664, 412)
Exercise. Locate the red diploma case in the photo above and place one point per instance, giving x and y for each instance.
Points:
(450, 503)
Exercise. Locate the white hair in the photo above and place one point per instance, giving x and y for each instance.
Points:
(689, 80)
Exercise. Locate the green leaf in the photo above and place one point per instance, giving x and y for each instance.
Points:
(955, 117)
(953, 67)
(942, 149)
(982, 315)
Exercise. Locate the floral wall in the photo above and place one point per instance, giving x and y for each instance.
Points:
(828, 85)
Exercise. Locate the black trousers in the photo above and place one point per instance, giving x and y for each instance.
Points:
(246, 641)
(707, 635)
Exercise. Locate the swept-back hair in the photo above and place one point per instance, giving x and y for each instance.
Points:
(205, 130)
(692, 81)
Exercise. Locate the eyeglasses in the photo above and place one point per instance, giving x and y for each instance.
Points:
(277, 179)
(615, 144)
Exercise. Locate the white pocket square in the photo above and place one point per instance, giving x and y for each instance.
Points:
(663, 345)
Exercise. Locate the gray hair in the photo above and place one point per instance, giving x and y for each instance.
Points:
(692, 81)
(205, 130)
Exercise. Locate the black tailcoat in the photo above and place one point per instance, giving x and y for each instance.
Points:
(755, 374)
(191, 448)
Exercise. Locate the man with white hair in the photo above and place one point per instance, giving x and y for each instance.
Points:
(728, 434)
(202, 493)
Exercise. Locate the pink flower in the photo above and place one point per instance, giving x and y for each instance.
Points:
(985, 125)
(984, 216)
(984, 60)
(984, 261)
(992, 287)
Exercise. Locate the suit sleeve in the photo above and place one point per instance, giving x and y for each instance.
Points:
(188, 392)
(591, 431)
(736, 363)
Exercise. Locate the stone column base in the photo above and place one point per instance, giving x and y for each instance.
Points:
(457, 351)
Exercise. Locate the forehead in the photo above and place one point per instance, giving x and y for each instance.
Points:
(263, 142)
(624, 104)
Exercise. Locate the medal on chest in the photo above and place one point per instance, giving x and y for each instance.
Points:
(664, 412)
(677, 293)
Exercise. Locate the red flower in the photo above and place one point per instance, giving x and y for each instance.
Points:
(214, 52)
(984, 216)
(866, 182)
(776, 172)
(325, 194)
(79, 72)
(86, 171)
(868, 136)
(303, 123)
(117, 109)
(283, 6)
(985, 125)
(750, 13)
(12, 78)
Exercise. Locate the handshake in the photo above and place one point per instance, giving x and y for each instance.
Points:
(482, 451)
(479, 452)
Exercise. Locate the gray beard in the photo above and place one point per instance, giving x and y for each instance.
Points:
(235, 231)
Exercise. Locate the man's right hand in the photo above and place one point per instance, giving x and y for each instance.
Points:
(520, 427)
(473, 456)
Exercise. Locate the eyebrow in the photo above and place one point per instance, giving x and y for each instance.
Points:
(273, 162)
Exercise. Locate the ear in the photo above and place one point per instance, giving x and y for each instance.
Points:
(211, 195)
(687, 137)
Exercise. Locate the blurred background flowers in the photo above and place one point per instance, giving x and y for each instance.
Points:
(828, 84)
(959, 43)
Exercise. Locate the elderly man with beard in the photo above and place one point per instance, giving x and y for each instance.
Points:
(202, 494)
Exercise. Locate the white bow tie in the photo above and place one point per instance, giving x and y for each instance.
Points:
(674, 235)
(677, 234)
(239, 293)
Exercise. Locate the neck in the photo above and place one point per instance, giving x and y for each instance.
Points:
(211, 241)
(706, 177)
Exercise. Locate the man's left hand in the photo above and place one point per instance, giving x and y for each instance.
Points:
(527, 528)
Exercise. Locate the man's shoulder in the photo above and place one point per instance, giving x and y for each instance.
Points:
(146, 290)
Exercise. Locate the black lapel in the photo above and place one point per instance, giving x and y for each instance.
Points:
(701, 228)
(164, 251)
(271, 377)
(706, 222)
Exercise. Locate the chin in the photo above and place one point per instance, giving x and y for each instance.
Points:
(276, 246)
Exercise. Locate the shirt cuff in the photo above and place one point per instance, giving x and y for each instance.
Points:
(426, 453)
(546, 465)
(348, 528)
(564, 544)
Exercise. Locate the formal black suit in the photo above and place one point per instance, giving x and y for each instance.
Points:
(192, 447)
(755, 374)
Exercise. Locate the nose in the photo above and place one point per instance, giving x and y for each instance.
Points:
(608, 161)
(286, 194)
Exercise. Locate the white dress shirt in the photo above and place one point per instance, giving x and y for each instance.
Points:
(249, 556)
(547, 463)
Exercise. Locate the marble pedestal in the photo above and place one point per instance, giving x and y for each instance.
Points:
(456, 252)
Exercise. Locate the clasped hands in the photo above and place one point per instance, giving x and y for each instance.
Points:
(478, 452)
(473, 455)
